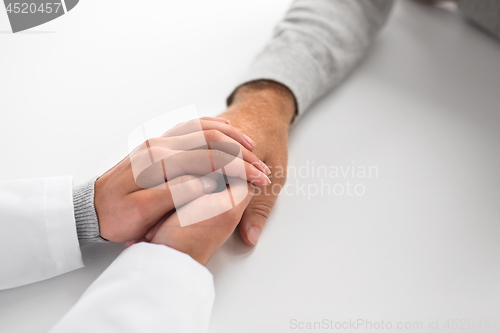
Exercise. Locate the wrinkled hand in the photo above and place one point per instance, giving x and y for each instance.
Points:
(129, 205)
(264, 111)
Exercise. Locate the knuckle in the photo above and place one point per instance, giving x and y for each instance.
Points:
(213, 135)
(217, 154)
(161, 143)
(196, 123)
(262, 209)
(152, 142)
(158, 153)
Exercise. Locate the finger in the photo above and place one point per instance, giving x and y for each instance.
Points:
(202, 162)
(135, 241)
(160, 148)
(204, 209)
(255, 216)
(208, 124)
(213, 136)
(193, 125)
(156, 202)
(198, 162)
(223, 202)
(202, 239)
(249, 172)
(206, 139)
(182, 190)
(154, 229)
(219, 119)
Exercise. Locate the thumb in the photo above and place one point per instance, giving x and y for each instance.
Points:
(256, 214)
(164, 199)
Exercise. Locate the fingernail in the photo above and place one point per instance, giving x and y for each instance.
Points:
(209, 185)
(257, 177)
(127, 244)
(253, 234)
(249, 140)
(266, 178)
(259, 166)
(266, 168)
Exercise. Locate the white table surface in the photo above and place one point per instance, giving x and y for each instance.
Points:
(423, 242)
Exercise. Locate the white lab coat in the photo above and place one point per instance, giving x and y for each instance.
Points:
(148, 288)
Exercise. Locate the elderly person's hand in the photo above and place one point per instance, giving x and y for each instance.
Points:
(264, 111)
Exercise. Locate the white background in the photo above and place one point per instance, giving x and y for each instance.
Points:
(423, 242)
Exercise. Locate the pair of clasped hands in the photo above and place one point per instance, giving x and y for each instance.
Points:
(134, 205)
(139, 205)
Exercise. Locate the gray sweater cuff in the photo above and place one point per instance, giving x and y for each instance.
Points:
(317, 44)
(484, 13)
(87, 224)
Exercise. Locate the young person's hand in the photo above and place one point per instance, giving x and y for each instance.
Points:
(264, 111)
(135, 194)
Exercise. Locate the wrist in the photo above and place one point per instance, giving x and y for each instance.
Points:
(269, 101)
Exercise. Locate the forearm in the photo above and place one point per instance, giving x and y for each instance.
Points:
(317, 44)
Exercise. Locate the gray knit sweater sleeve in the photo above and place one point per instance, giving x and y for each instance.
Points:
(87, 224)
(483, 13)
(317, 44)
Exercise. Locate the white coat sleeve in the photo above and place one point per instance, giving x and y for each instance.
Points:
(148, 288)
(38, 238)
